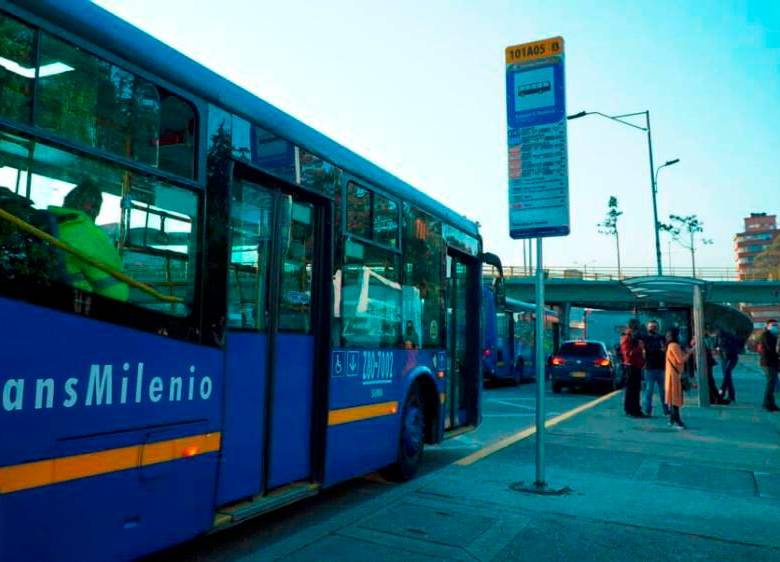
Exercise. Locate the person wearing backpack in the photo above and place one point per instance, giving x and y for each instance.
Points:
(729, 348)
(655, 358)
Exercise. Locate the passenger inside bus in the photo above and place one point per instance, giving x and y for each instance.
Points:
(76, 227)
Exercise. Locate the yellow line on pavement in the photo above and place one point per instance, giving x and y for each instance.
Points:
(527, 432)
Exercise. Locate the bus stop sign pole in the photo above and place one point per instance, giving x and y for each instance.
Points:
(538, 179)
(540, 481)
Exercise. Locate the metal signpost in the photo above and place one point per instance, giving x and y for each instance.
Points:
(538, 174)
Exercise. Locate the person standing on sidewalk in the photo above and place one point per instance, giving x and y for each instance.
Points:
(767, 348)
(709, 369)
(675, 365)
(632, 351)
(655, 356)
(710, 342)
(729, 348)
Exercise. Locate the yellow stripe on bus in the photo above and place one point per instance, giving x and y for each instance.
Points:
(357, 413)
(54, 471)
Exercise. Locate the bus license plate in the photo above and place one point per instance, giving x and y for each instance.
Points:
(579, 374)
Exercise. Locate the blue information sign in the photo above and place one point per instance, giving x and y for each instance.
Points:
(536, 133)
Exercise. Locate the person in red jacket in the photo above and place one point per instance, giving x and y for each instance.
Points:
(633, 354)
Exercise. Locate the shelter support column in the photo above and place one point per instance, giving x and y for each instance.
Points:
(564, 321)
(701, 352)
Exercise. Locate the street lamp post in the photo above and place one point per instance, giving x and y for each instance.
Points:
(655, 210)
(654, 187)
(664, 165)
(621, 119)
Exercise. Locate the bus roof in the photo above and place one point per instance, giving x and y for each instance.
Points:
(98, 26)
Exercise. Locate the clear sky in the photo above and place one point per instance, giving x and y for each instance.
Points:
(418, 87)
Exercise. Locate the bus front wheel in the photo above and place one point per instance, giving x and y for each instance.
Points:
(412, 440)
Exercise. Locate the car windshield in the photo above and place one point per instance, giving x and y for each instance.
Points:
(582, 349)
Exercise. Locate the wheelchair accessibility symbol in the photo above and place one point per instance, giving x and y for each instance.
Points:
(338, 364)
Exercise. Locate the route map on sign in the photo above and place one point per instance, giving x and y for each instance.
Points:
(536, 134)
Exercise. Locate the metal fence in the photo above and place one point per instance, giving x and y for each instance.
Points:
(611, 273)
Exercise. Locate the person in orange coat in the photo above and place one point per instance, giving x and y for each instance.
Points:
(675, 365)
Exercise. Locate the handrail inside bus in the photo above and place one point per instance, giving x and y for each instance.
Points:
(123, 277)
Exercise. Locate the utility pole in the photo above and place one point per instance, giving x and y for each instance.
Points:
(525, 260)
(654, 188)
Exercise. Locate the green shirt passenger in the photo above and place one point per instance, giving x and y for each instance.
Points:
(77, 228)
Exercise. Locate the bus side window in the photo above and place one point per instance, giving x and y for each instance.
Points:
(177, 136)
(158, 237)
(251, 210)
(17, 47)
(370, 296)
(423, 269)
(128, 223)
(359, 211)
(88, 100)
(297, 266)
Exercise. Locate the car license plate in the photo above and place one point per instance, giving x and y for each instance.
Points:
(579, 374)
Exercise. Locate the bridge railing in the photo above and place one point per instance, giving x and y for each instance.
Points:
(612, 274)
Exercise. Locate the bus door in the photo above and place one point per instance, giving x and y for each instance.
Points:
(462, 341)
(275, 312)
(294, 285)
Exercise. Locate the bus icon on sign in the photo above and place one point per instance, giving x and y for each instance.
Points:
(533, 88)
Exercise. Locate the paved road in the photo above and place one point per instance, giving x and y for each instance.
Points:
(506, 410)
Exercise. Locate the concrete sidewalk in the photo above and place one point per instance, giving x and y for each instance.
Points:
(640, 491)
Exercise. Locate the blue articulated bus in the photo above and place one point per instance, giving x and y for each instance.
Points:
(524, 315)
(508, 352)
(498, 356)
(209, 309)
(501, 361)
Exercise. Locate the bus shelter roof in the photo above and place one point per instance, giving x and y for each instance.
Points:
(658, 289)
(655, 291)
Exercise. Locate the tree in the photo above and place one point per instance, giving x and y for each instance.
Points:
(686, 226)
(609, 226)
(767, 264)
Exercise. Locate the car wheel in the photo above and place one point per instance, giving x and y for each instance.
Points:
(410, 449)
